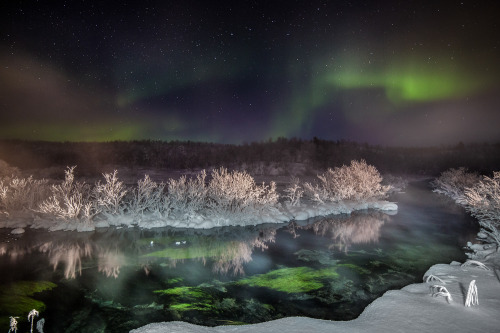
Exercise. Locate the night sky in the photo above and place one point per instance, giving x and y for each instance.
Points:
(383, 72)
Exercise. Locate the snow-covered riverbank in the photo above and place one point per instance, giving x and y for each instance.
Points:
(411, 309)
(281, 215)
(225, 198)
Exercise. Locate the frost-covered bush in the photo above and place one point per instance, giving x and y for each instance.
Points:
(147, 197)
(234, 193)
(294, 193)
(453, 183)
(81, 201)
(482, 200)
(17, 194)
(186, 197)
(69, 200)
(108, 197)
(358, 181)
(480, 197)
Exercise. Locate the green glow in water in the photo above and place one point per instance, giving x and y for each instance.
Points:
(291, 280)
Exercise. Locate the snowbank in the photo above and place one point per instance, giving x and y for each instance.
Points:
(411, 309)
(201, 221)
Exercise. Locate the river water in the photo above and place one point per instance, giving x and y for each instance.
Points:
(113, 280)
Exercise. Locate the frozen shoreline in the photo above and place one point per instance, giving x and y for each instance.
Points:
(410, 309)
(287, 213)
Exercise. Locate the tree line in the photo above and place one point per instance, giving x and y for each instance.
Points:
(316, 153)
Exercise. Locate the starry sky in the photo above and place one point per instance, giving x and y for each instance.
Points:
(399, 73)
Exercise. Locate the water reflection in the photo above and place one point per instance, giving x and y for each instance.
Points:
(68, 255)
(359, 228)
(224, 250)
(110, 261)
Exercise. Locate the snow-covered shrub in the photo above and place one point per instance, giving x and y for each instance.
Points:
(438, 290)
(22, 193)
(316, 192)
(294, 193)
(31, 316)
(358, 181)
(108, 197)
(147, 197)
(186, 197)
(453, 183)
(235, 193)
(13, 324)
(472, 296)
(68, 199)
(482, 200)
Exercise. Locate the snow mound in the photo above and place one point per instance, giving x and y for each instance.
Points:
(17, 231)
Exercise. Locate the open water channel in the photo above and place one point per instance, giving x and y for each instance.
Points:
(113, 280)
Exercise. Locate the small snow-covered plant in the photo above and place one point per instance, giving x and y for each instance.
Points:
(454, 182)
(432, 278)
(472, 295)
(109, 196)
(31, 316)
(13, 324)
(147, 197)
(39, 325)
(438, 290)
(294, 193)
(475, 263)
(186, 197)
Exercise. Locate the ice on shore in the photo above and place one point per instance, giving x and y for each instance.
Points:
(282, 214)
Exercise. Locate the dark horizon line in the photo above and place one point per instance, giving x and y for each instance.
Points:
(265, 141)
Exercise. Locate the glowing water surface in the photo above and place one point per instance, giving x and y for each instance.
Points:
(114, 280)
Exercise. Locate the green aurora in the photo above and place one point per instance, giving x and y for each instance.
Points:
(231, 75)
(404, 84)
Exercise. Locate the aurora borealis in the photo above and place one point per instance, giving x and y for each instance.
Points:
(382, 72)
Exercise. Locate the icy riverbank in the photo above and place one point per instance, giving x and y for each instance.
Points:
(411, 309)
(200, 221)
